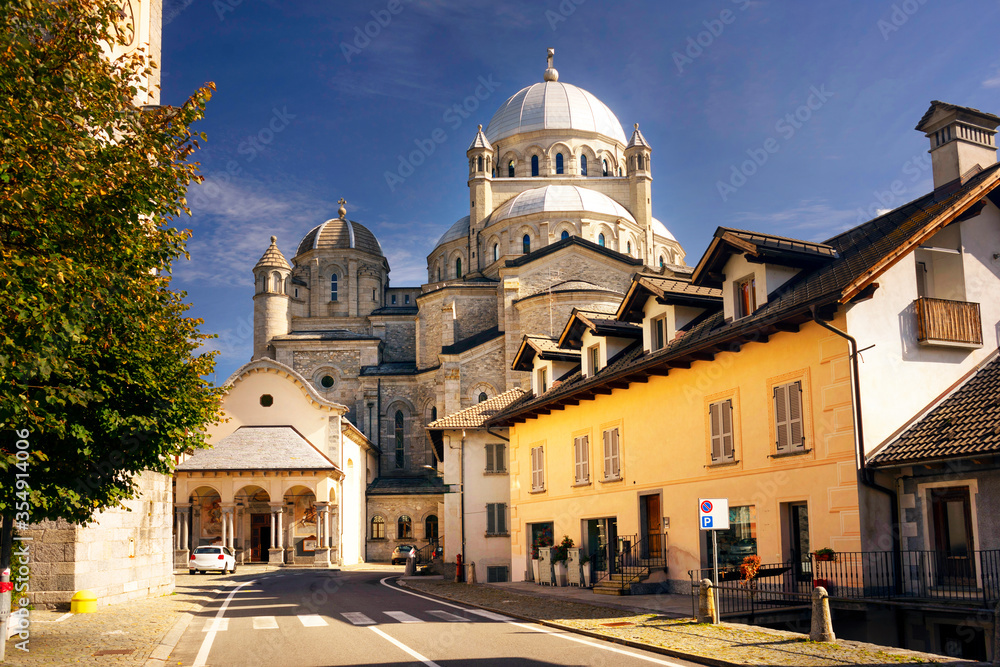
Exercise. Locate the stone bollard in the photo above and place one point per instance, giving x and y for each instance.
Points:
(707, 613)
(470, 572)
(821, 629)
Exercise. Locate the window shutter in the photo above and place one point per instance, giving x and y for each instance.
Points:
(607, 454)
(714, 416)
(796, 439)
(726, 408)
(489, 458)
(501, 518)
(781, 417)
(585, 456)
(534, 468)
(491, 524)
(615, 454)
(501, 464)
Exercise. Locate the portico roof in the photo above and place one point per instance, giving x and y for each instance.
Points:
(260, 448)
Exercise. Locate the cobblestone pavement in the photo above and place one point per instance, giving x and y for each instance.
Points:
(121, 634)
(730, 643)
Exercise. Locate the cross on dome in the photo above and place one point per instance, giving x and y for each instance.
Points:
(551, 74)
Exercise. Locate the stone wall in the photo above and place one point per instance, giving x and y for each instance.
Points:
(122, 555)
(484, 367)
(400, 341)
(390, 508)
(414, 398)
(475, 313)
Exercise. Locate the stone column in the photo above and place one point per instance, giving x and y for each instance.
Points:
(182, 512)
(276, 554)
(229, 527)
(321, 557)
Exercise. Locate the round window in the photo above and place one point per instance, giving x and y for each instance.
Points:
(326, 381)
(267, 400)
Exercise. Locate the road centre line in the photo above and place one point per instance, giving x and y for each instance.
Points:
(540, 628)
(401, 645)
(206, 646)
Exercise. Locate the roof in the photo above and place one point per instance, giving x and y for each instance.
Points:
(330, 334)
(965, 423)
(667, 291)
(862, 255)
(340, 233)
(481, 141)
(472, 341)
(553, 105)
(477, 415)
(939, 111)
(391, 368)
(762, 248)
(600, 323)
(272, 257)
(543, 347)
(395, 310)
(260, 448)
(406, 486)
(544, 251)
(637, 139)
(559, 199)
(459, 230)
(569, 286)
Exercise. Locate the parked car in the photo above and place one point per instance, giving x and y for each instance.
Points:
(401, 553)
(212, 558)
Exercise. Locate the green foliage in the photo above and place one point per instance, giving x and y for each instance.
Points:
(100, 368)
(560, 552)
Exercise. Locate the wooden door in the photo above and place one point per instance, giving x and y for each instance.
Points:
(260, 537)
(652, 532)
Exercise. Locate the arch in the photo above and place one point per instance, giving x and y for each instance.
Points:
(483, 397)
(334, 285)
(203, 491)
(276, 282)
(583, 165)
(404, 527)
(496, 251)
(534, 165)
(605, 170)
(510, 168)
(431, 528)
(478, 390)
(458, 267)
(399, 437)
(564, 235)
(377, 527)
(560, 166)
(262, 283)
(526, 244)
(562, 230)
(601, 241)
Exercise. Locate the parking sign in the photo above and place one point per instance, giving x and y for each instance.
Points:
(713, 513)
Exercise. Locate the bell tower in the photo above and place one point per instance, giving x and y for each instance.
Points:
(271, 312)
(481, 166)
(640, 185)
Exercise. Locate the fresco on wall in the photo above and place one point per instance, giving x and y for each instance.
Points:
(211, 517)
(305, 515)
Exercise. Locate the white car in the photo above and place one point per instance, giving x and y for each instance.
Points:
(212, 558)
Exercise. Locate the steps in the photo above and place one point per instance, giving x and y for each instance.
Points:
(613, 585)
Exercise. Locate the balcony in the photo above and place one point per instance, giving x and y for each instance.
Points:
(948, 323)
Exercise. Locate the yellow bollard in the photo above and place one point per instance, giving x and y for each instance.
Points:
(83, 602)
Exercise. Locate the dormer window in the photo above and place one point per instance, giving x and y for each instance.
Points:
(543, 380)
(658, 333)
(594, 357)
(746, 296)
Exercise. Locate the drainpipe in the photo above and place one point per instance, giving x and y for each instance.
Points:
(865, 476)
(461, 485)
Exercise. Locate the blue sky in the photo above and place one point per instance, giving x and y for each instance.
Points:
(822, 99)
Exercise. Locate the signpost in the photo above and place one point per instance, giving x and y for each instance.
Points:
(713, 515)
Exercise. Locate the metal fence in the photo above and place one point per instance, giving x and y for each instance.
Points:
(776, 585)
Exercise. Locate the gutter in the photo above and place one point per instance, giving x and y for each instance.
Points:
(866, 476)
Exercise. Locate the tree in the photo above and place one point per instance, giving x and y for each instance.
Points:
(101, 373)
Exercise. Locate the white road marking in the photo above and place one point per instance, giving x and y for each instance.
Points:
(206, 646)
(493, 616)
(312, 620)
(265, 623)
(404, 647)
(537, 628)
(216, 624)
(357, 618)
(402, 617)
(447, 616)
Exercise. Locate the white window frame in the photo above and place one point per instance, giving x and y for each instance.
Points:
(751, 281)
(658, 325)
(722, 441)
(612, 454)
(789, 422)
(496, 458)
(594, 358)
(581, 459)
(537, 468)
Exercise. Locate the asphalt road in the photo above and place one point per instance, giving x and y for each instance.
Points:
(310, 618)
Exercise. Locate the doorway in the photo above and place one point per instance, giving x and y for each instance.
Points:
(652, 532)
(951, 512)
(260, 537)
(602, 544)
(798, 547)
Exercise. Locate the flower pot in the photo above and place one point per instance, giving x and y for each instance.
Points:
(585, 568)
(559, 569)
(534, 570)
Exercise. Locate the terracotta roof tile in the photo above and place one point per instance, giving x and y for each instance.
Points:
(477, 415)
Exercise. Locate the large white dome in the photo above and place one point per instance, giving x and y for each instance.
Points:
(561, 199)
(553, 105)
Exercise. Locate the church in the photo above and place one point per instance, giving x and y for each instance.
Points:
(559, 218)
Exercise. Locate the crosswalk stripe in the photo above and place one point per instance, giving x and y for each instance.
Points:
(403, 617)
(490, 615)
(311, 620)
(265, 623)
(445, 616)
(217, 624)
(357, 618)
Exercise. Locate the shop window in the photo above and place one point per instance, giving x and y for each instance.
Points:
(736, 543)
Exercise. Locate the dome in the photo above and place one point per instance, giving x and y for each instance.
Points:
(553, 105)
(660, 229)
(340, 233)
(460, 230)
(562, 199)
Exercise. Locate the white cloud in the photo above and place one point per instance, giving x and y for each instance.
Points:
(993, 81)
(809, 219)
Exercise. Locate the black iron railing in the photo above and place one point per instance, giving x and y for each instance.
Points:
(776, 585)
(631, 560)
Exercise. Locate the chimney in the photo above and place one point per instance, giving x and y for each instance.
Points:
(961, 138)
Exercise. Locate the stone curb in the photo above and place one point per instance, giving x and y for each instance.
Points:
(670, 653)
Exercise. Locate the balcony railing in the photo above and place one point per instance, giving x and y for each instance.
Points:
(943, 322)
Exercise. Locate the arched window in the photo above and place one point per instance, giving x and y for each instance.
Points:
(378, 528)
(431, 528)
(619, 172)
(496, 251)
(479, 163)
(583, 165)
(600, 240)
(263, 282)
(605, 168)
(628, 247)
(510, 169)
(404, 528)
(642, 163)
(564, 235)
(458, 267)
(559, 163)
(434, 413)
(534, 165)
(483, 397)
(663, 262)
(276, 282)
(333, 287)
(526, 244)
(439, 274)
(399, 439)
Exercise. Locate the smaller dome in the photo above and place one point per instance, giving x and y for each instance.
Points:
(340, 233)
(660, 229)
(561, 199)
(460, 230)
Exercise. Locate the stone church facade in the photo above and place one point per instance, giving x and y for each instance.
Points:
(560, 217)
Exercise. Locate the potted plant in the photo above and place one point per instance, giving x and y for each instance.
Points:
(585, 569)
(749, 569)
(560, 553)
(825, 554)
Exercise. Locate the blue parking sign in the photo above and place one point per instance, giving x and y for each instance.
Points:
(706, 522)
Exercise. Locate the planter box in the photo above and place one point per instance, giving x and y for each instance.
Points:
(559, 570)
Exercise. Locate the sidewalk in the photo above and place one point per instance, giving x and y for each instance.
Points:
(663, 623)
